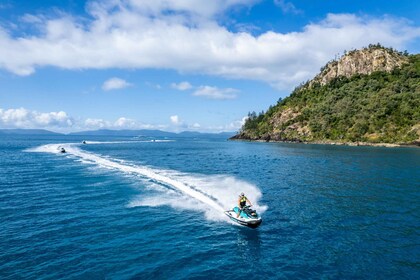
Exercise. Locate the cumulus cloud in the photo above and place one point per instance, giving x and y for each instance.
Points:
(126, 123)
(175, 120)
(233, 126)
(185, 36)
(23, 118)
(115, 83)
(61, 121)
(237, 124)
(179, 125)
(96, 123)
(216, 93)
(120, 123)
(181, 86)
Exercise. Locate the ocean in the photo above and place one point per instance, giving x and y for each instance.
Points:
(152, 208)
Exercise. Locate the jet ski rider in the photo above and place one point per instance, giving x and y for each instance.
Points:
(242, 202)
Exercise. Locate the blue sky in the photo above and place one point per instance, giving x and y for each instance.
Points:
(68, 65)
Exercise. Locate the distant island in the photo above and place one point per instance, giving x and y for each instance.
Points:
(368, 97)
(123, 132)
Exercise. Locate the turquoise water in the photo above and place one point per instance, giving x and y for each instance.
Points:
(123, 208)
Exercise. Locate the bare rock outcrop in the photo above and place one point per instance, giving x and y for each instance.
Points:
(364, 61)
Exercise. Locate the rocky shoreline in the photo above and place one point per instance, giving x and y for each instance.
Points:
(334, 143)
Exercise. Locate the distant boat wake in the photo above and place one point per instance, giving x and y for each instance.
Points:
(211, 194)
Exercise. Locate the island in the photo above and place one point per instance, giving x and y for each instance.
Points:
(369, 96)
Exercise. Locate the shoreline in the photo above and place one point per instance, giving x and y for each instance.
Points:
(333, 143)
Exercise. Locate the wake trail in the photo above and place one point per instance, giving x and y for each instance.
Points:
(216, 191)
(139, 170)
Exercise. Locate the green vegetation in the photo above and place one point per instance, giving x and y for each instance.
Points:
(380, 107)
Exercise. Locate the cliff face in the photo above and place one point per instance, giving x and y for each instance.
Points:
(365, 61)
(370, 95)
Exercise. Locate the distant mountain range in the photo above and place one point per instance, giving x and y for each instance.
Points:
(127, 132)
(20, 131)
(150, 133)
(124, 132)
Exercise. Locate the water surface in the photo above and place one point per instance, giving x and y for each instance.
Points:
(124, 208)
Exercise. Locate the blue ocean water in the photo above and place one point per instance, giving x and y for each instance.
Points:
(124, 208)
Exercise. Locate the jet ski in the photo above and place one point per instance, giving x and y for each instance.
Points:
(247, 217)
(62, 150)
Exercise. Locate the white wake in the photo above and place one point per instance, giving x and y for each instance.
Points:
(211, 194)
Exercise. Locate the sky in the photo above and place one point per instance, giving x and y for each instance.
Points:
(68, 65)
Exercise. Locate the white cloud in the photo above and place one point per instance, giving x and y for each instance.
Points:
(96, 123)
(196, 126)
(207, 91)
(233, 126)
(115, 83)
(287, 7)
(181, 86)
(23, 118)
(215, 93)
(126, 123)
(179, 125)
(236, 125)
(175, 120)
(120, 123)
(61, 122)
(185, 36)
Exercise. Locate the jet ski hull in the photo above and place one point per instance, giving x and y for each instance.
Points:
(245, 221)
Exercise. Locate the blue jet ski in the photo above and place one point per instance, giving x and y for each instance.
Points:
(247, 216)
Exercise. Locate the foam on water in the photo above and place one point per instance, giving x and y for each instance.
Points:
(211, 194)
(50, 148)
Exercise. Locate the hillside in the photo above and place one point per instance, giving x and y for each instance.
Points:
(370, 95)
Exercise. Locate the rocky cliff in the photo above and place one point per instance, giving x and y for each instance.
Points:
(364, 61)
